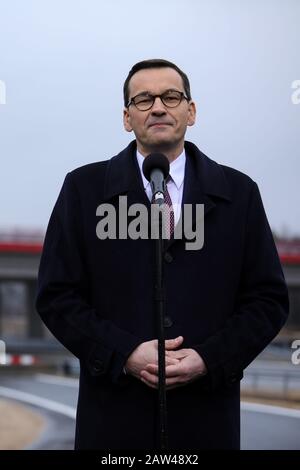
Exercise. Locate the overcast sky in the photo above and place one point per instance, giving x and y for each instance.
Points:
(63, 64)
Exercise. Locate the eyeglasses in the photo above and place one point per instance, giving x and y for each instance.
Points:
(145, 101)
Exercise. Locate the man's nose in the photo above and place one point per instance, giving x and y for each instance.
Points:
(158, 106)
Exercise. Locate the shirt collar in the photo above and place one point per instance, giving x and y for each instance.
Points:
(177, 168)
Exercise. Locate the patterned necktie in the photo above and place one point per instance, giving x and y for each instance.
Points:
(169, 218)
(168, 201)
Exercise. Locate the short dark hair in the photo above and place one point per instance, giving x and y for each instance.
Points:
(155, 64)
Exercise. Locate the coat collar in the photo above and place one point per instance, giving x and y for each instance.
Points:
(205, 182)
(204, 176)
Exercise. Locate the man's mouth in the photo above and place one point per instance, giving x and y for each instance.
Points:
(159, 124)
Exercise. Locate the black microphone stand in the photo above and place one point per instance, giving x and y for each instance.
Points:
(160, 311)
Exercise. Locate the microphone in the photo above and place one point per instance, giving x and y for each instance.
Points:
(156, 169)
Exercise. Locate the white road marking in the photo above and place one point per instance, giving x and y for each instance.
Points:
(57, 380)
(38, 401)
(71, 412)
(270, 409)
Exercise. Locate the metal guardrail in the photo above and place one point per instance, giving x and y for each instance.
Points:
(281, 382)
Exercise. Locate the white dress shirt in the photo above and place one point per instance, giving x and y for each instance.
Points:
(174, 185)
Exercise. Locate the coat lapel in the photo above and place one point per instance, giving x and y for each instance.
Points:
(204, 183)
(123, 177)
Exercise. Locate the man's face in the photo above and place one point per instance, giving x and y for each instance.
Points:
(160, 128)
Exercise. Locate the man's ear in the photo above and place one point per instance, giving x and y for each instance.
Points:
(126, 120)
(192, 114)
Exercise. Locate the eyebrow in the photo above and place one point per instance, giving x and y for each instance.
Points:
(147, 92)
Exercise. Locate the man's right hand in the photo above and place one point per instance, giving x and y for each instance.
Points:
(147, 353)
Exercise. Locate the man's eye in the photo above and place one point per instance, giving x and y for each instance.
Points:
(145, 99)
(171, 98)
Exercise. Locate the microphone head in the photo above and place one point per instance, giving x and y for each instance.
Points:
(156, 161)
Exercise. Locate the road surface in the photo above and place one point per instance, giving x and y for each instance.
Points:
(263, 427)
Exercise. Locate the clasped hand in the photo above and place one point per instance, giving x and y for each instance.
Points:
(182, 365)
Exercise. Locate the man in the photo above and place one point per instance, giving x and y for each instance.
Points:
(224, 302)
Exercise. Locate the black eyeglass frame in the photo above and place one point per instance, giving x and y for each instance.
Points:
(182, 95)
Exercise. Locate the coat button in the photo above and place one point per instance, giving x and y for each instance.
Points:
(168, 322)
(168, 257)
(98, 366)
(232, 378)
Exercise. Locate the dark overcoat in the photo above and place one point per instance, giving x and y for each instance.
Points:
(228, 300)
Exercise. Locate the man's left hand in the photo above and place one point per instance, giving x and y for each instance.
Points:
(190, 368)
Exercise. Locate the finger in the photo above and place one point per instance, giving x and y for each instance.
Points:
(171, 361)
(148, 383)
(168, 362)
(171, 371)
(152, 368)
(174, 381)
(174, 370)
(151, 378)
(173, 343)
(179, 354)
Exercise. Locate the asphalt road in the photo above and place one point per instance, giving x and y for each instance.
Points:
(263, 427)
